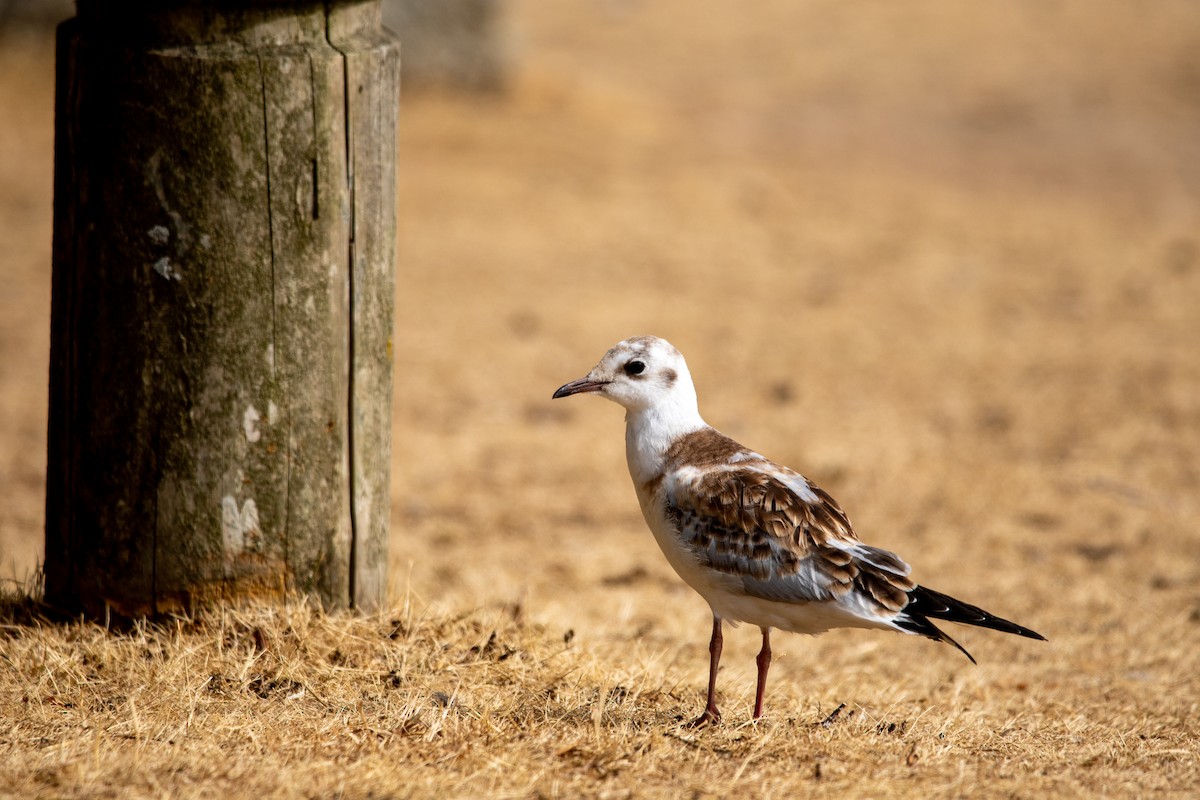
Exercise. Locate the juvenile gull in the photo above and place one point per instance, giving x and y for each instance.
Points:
(760, 542)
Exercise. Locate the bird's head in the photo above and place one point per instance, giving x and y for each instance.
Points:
(639, 373)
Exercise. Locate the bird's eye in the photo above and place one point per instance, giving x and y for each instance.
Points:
(635, 368)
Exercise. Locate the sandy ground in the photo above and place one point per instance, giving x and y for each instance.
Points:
(944, 262)
(943, 258)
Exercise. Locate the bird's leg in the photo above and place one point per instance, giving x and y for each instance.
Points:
(711, 715)
(764, 663)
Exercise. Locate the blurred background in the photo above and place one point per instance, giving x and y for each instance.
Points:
(942, 257)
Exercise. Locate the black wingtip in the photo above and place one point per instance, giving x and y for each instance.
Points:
(945, 637)
(924, 604)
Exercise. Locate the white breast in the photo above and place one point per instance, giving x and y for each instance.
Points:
(710, 584)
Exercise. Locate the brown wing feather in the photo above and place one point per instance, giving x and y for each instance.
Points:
(748, 522)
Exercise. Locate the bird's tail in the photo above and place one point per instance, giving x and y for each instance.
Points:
(924, 604)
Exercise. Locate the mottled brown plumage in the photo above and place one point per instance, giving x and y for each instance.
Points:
(746, 521)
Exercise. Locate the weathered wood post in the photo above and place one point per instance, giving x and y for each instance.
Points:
(220, 383)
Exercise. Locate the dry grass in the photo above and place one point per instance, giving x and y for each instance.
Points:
(294, 703)
(941, 257)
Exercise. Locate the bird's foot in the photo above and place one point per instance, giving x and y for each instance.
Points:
(711, 716)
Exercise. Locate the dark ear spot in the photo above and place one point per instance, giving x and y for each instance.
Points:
(669, 377)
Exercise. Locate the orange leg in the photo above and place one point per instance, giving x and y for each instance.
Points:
(711, 715)
(764, 663)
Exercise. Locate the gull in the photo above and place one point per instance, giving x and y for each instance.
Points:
(759, 542)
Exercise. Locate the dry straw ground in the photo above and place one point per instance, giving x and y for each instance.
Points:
(942, 257)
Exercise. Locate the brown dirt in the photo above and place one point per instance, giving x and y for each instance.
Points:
(941, 257)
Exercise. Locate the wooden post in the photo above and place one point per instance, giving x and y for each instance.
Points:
(220, 386)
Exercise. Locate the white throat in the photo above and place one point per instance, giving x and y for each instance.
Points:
(649, 432)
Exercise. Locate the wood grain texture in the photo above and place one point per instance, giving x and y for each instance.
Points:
(203, 392)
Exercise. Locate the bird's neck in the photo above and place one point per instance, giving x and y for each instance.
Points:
(649, 432)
